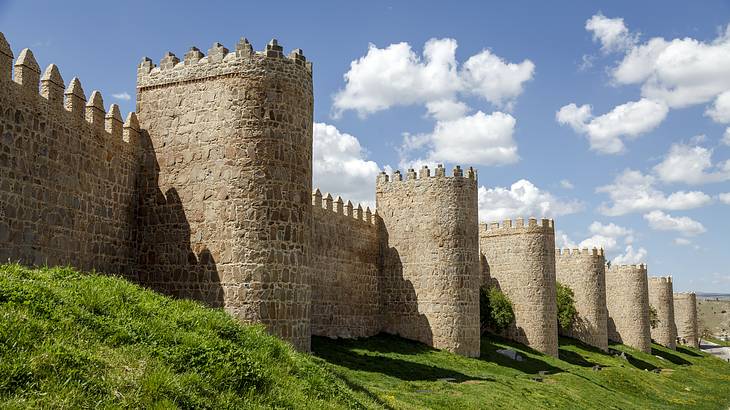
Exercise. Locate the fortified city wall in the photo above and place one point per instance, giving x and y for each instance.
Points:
(430, 290)
(345, 269)
(627, 300)
(685, 318)
(225, 213)
(584, 271)
(519, 258)
(67, 171)
(661, 297)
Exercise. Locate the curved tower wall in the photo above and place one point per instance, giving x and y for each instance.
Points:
(430, 289)
(685, 318)
(627, 300)
(661, 297)
(519, 258)
(584, 271)
(225, 208)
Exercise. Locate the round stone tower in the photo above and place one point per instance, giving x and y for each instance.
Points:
(431, 267)
(225, 209)
(519, 258)
(584, 272)
(661, 298)
(627, 300)
(685, 317)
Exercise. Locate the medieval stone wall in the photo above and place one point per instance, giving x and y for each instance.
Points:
(685, 318)
(661, 297)
(345, 269)
(225, 213)
(519, 258)
(627, 300)
(584, 272)
(67, 171)
(430, 284)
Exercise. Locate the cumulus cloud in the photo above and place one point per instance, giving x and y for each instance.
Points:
(522, 199)
(566, 184)
(632, 191)
(607, 236)
(397, 76)
(725, 198)
(686, 226)
(340, 166)
(563, 241)
(605, 132)
(720, 110)
(612, 33)
(682, 241)
(691, 165)
(124, 96)
(631, 256)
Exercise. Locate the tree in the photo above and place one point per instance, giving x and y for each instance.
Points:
(495, 309)
(653, 318)
(566, 306)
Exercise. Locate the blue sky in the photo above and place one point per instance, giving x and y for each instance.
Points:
(637, 164)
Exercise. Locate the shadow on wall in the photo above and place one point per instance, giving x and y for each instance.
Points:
(167, 262)
(613, 335)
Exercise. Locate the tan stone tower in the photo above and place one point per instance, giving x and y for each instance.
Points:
(627, 300)
(685, 317)
(225, 208)
(431, 266)
(520, 259)
(585, 273)
(661, 297)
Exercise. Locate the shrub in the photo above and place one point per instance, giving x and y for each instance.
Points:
(566, 306)
(653, 319)
(495, 309)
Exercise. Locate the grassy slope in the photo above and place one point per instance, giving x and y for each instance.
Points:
(74, 340)
(70, 340)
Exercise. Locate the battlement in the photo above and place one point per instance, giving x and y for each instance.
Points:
(339, 207)
(660, 279)
(425, 172)
(568, 252)
(69, 103)
(518, 225)
(628, 268)
(220, 62)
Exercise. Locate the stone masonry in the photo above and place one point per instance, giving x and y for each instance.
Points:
(584, 272)
(519, 258)
(627, 300)
(685, 318)
(661, 297)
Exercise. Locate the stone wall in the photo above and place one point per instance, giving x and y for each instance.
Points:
(584, 272)
(430, 284)
(661, 297)
(519, 258)
(67, 171)
(627, 300)
(345, 269)
(685, 318)
(225, 210)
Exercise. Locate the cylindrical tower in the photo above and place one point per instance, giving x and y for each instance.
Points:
(519, 258)
(225, 211)
(685, 317)
(627, 300)
(430, 290)
(584, 272)
(661, 298)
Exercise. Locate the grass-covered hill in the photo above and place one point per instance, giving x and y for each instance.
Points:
(72, 340)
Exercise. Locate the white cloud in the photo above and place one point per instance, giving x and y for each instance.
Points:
(632, 191)
(566, 184)
(631, 256)
(562, 240)
(720, 110)
(607, 236)
(340, 166)
(691, 165)
(611, 33)
(599, 241)
(610, 229)
(626, 120)
(682, 241)
(124, 96)
(726, 137)
(725, 198)
(686, 226)
(445, 110)
(397, 76)
(522, 199)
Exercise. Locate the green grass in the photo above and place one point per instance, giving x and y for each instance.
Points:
(73, 340)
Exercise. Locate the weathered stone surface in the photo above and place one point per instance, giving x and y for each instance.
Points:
(661, 297)
(585, 273)
(685, 318)
(627, 300)
(519, 258)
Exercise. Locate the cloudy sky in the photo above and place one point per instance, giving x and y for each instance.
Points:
(612, 118)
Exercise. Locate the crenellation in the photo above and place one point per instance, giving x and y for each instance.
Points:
(131, 131)
(328, 202)
(244, 49)
(411, 175)
(169, 61)
(193, 56)
(75, 101)
(358, 212)
(424, 172)
(6, 59)
(95, 110)
(273, 49)
(339, 205)
(217, 53)
(113, 122)
(27, 71)
(317, 198)
(52, 86)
